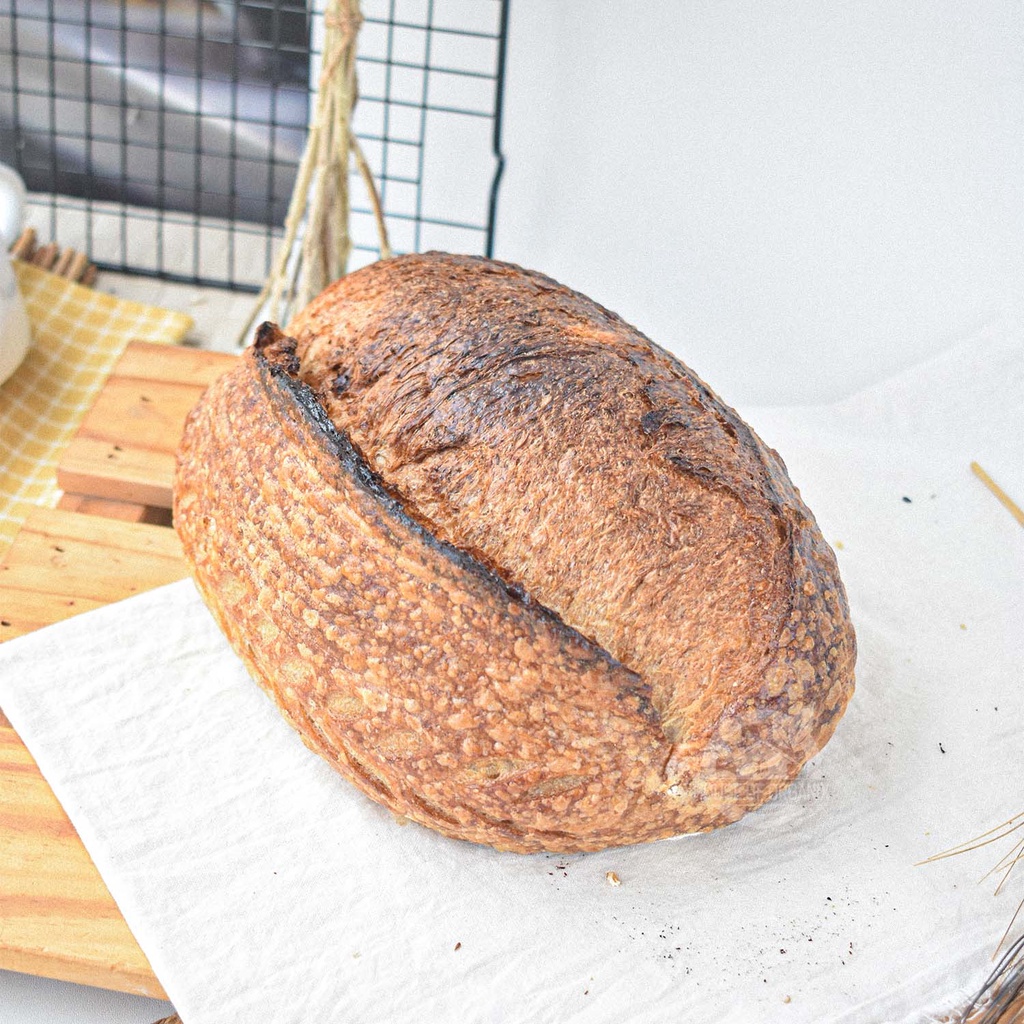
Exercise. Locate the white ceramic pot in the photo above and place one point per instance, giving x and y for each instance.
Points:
(15, 335)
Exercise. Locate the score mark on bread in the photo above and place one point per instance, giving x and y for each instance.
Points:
(510, 567)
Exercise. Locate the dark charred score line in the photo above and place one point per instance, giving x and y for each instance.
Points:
(277, 363)
(270, 341)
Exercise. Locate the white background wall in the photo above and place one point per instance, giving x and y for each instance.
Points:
(795, 196)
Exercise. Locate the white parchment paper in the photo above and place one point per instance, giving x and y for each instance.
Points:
(263, 887)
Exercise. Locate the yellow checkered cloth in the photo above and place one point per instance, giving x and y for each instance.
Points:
(77, 336)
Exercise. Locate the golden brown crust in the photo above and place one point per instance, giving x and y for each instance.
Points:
(576, 602)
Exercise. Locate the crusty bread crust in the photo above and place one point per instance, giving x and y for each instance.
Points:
(509, 566)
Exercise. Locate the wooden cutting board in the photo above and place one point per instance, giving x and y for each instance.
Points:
(109, 539)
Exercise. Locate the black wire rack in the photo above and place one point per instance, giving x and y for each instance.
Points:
(164, 138)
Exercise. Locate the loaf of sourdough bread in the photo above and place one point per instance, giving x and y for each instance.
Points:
(511, 568)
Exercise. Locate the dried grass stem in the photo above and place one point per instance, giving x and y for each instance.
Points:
(316, 246)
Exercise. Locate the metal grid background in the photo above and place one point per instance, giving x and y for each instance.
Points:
(164, 138)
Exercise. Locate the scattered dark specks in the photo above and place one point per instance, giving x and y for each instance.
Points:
(906, 499)
(57, 547)
(4, 622)
(586, 991)
(145, 398)
(458, 946)
(782, 951)
(942, 748)
(118, 448)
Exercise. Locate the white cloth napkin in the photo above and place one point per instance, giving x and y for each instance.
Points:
(264, 888)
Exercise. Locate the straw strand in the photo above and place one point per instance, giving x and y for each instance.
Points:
(317, 244)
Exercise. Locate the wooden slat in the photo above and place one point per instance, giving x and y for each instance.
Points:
(59, 919)
(107, 507)
(145, 361)
(124, 449)
(22, 611)
(125, 472)
(71, 556)
(132, 410)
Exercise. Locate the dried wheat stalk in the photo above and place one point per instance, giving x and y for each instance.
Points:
(319, 206)
(1000, 998)
(1001, 496)
(1002, 995)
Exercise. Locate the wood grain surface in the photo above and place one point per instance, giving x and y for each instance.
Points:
(63, 563)
(59, 919)
(124, 448)
(101, 545)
